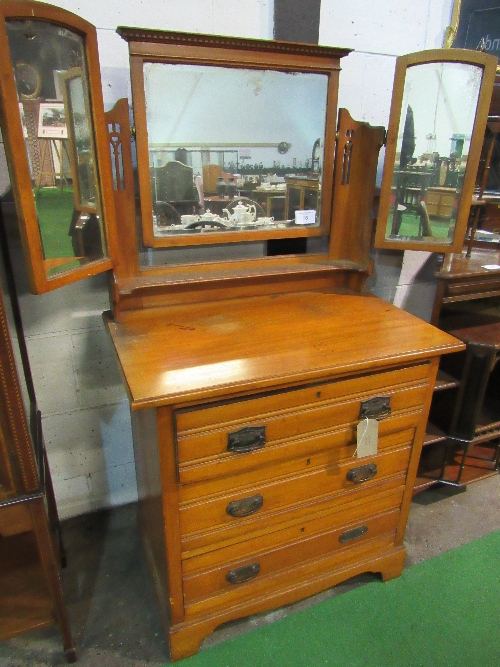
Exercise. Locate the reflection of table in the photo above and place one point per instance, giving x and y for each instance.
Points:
(217, 204)
(273, 202)
(440, 202)
(301, 194)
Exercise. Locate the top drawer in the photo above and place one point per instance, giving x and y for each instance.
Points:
(205, 432)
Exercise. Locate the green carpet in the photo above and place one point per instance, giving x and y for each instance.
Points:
(442, 612)
(54, 217)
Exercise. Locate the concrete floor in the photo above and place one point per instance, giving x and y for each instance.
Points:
(111, 603)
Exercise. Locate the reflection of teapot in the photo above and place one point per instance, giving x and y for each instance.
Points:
(208, 216)
(241, 214)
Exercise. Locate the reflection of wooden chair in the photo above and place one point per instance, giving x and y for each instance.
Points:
(425, 223)
(173, 183)
(166, 214)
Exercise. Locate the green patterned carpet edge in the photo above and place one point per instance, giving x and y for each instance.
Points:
(441, 612)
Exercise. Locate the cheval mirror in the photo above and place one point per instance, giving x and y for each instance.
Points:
(438, 116)
(55, 137)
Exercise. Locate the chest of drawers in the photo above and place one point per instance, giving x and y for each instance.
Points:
(245, 420)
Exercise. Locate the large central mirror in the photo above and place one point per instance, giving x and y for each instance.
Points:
(229, 152)
(231, 147)
(437, 123)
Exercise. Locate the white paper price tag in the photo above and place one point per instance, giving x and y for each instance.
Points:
(367, 438)
(305, 217)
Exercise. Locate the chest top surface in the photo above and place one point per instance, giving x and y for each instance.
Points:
(206, 350)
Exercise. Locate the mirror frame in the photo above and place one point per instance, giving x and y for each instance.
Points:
(489, 65)
(213, 50)
(17, 159)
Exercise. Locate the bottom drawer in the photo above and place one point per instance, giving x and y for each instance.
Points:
(309, 575)
(265, 562)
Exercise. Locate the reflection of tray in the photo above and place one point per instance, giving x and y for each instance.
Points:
(210, 224)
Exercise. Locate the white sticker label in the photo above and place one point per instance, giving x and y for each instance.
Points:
(367, 438)
(305, 217)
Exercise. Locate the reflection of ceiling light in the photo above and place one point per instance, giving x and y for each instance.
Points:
(208, 374)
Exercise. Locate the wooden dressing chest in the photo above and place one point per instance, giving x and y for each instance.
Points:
(245, 416)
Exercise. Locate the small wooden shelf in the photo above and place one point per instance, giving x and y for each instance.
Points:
(445, 381)
(479, 464)
(433, 434)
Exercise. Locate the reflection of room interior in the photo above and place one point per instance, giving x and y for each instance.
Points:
(425, 191)
(273, 165)
(432, 152)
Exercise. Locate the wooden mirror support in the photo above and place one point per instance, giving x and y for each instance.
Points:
(438, 115)
(52, 120)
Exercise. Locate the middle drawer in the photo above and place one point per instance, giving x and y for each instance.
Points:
(202, 520)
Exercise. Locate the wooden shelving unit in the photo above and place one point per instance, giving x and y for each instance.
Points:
(462, 441)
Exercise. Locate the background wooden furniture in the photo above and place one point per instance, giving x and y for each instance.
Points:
(301, 194)
(440, 202)
(463, 433)
(30, 548)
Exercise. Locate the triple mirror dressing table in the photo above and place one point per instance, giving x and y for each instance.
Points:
(278, 410)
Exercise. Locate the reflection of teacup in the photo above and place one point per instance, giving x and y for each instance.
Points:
(186, 219)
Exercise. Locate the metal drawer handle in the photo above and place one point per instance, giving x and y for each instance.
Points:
(353, 534)
(245, 506)
(362, 473)
(247, 439)
(378, 407)
(241, 574)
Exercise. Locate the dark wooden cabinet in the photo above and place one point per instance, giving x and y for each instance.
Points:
(463, 434)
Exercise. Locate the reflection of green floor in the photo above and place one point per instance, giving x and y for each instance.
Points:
(410, 226)
(54, 216)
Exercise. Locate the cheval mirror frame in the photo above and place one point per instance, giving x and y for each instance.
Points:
(427, 203)
(340, 255)
(45, 271)
(218, 61)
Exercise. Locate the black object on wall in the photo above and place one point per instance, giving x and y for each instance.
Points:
(297, 20)
(294, 21)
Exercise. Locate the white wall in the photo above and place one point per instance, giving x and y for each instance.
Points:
(85, 412)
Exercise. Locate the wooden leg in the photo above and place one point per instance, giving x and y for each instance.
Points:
(51, 568)
(393, 565)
